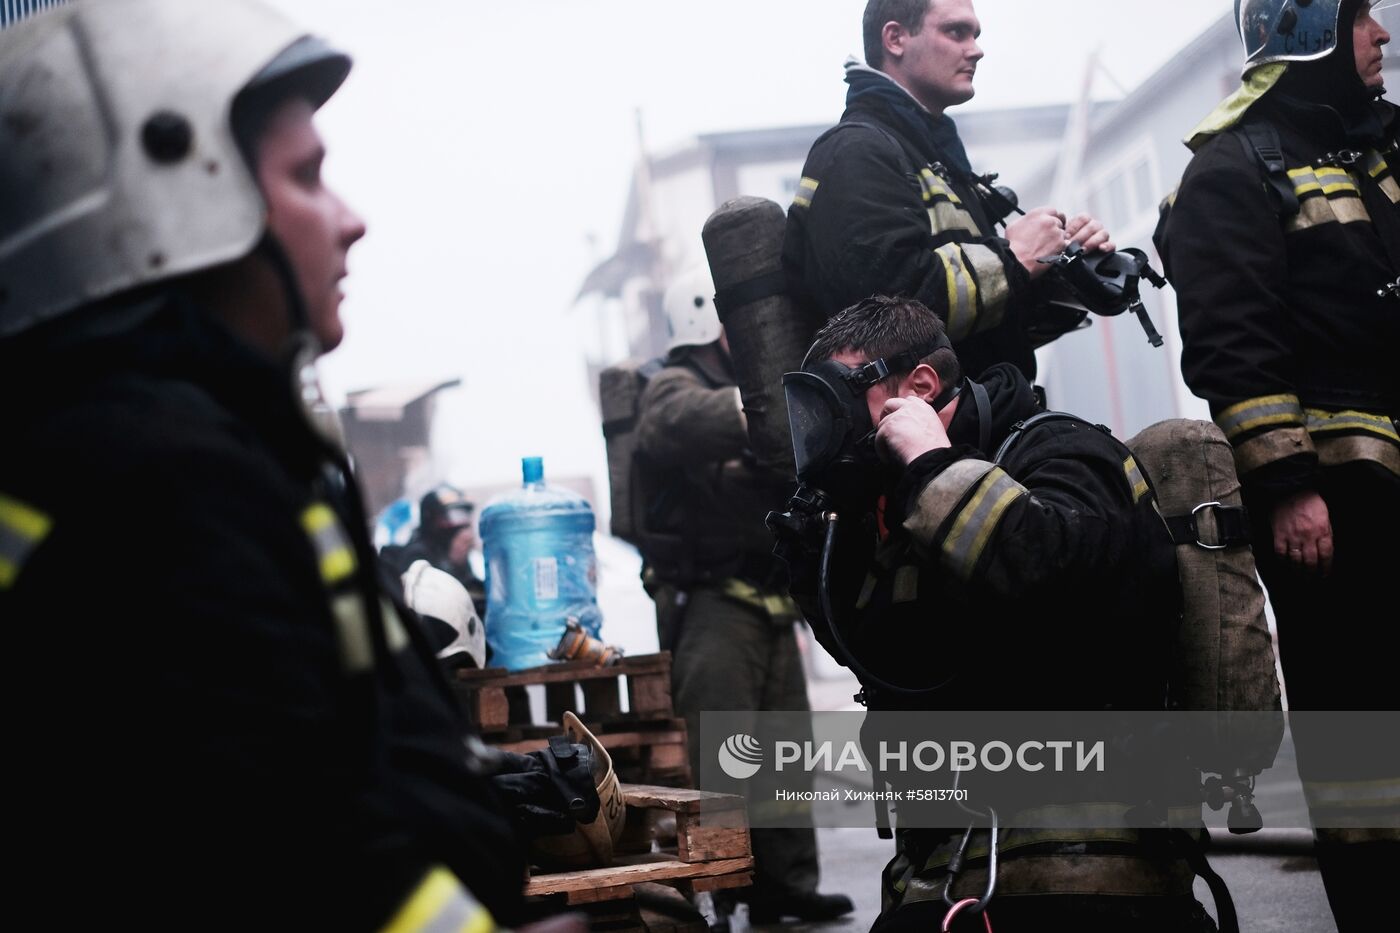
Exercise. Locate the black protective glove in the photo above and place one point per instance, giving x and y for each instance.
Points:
(550, 790)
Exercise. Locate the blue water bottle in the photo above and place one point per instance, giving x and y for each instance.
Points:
(540, 569)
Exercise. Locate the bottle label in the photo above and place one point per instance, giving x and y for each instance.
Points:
(546, 579)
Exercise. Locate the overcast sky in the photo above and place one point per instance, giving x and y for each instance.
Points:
(489, 146)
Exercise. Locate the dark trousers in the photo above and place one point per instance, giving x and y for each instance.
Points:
(1338, 646)
(729, 655)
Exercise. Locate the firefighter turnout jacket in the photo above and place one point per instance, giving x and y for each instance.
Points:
(1045, 582)
(705, 502)
(1288, 328)
(884, 207)
(221, 718)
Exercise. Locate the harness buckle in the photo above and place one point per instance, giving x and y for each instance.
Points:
(1347, 158)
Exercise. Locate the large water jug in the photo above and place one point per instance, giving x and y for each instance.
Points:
(540, 569)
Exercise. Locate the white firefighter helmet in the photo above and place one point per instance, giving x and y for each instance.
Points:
(689, 305)
(437, 595)
(590, 845)
(122, 167)
(1287, 30)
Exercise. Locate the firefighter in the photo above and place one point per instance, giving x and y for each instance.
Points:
(888, 203)
(1283, 244)
(445, 537)
(957, 583)
(721, 601)
(230, 724)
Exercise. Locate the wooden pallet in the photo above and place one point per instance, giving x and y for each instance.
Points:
(646, 680)
(711, 851)
(647, 743)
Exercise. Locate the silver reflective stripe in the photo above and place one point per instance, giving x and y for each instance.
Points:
(1384, 792)
(22, 528)
(977, 521)
(1272, 445)
(962, 292)
(991, 284)
(1320, 421)
(352, 631)
(940, 497)
(1315, 211)
(1348, 448)
(944, 216)
(1326, 179)
(394, 632)
(1259, 412)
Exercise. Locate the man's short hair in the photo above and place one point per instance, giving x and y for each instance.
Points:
(881, 327)
(908, 13)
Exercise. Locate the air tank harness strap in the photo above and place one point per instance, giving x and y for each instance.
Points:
(1231, 526)
(740, 294)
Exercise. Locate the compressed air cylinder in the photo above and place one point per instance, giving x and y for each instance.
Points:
(768, 334)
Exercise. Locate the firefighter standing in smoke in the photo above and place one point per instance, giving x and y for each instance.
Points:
(887, 204)
(1283, 243)
(239, 728)
(721, 602)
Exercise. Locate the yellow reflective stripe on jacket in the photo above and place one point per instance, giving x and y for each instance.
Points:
(1260, 412)
(994, 289)
(962, 291)
(1320, 421)
(333, 551)
(934, 188)
(22, 528)
(805, 189)
(440, 904)
(778, 606)
(977, 520)
(1136, 481)
(1327, 179)
(1377, 168)
(977, 288)
(940, 498)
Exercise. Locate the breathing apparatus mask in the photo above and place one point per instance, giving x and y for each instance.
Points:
(1080, 282)
(833, 436)
(839, 469)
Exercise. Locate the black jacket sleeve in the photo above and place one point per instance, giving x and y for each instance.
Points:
(1223, 245)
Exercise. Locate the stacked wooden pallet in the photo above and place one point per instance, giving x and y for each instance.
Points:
(647, 742)
(710, 852)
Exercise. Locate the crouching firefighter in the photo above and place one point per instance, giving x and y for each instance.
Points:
(949, 581)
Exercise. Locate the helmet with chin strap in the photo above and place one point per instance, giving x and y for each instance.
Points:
(125, 138)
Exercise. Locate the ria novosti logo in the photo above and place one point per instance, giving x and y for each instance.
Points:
(741, 756)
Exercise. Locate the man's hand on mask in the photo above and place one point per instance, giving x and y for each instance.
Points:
(1089, 233)
(909, 428)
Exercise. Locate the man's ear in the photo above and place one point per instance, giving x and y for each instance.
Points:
(892, 37)
(924, 382)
